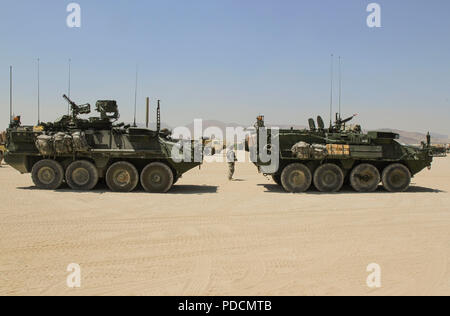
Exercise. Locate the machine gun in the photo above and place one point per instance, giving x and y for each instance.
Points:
(77, 109)
(340, 123)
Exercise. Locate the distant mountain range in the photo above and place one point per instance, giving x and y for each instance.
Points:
(413, 138)
(410, 138)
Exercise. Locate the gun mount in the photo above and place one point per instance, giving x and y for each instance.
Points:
(340, 123)
(77, 109)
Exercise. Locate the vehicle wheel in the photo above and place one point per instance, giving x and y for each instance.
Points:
(157, 178)
(122, 176)
(365, 178)
(296, 178)
(396, 178)
(277, 179)
(329, 178)
(47, 174)
(82, 175)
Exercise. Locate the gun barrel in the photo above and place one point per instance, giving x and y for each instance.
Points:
(348, 119)
(68, 100)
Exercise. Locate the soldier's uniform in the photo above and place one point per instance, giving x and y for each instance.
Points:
(231, 159)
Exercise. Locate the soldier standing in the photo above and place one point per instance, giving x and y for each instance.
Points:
(231, 159)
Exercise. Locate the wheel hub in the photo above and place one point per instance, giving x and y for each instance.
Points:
(397, 178)
(329, 178)
(123, 178)
(298, 178)
(46, 175)
(80, 176)
(366, 177)
(156, 178)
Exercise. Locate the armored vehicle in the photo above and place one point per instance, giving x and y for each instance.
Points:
(82, 151)
(439, 150)
(329, 157)
(2, 145)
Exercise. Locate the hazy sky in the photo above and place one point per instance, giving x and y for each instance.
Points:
(232, 59)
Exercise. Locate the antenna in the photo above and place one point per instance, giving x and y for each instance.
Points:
(158, 117)
(68, 90)
(135, 97)
(147, 115)
(38, 91)
(331, 94)
(10, 94)
(340, 87)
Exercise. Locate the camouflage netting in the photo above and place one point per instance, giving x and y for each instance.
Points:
(44, 144)
(79, 142)
(304, 150)
(61, 143)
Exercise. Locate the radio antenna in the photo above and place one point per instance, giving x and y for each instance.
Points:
(331, 93)
(158, 117)
(38, 91)
(68, 90)
(340, 86)
(135, 97)
(10, 94)
(147, 112)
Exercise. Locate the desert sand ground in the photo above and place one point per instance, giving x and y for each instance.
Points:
(209, 236)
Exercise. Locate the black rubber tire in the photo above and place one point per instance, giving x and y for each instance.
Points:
(365, 178)
(82, 175)
(157, 177)
(296, 178)
(396, 178)
(277, 179)
(47, 174)
(329, 178)
(122, 176)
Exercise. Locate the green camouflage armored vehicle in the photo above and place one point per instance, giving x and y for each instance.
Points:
(439, 150)
(2, 145)
(329, 157)
(82, 151)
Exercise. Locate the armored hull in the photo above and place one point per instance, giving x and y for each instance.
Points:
(330, 157)
(80, 152)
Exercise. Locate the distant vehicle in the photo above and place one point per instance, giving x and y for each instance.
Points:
(80, 152)
(440, 150)
(329, 157)
(2, 145)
